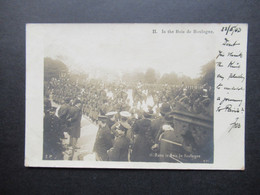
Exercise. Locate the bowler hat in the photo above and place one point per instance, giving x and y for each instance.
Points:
(165, 108)
(148, 114)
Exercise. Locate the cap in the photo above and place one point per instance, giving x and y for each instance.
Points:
(125, 114)
(111, 113)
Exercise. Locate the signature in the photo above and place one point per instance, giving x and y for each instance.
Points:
(235, 125)
(228, 108)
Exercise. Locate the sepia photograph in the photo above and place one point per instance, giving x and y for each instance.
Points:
(129, 97)
(133, 93)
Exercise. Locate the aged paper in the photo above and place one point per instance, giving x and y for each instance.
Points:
(141, 96)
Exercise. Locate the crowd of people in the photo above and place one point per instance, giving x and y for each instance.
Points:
(130, 128)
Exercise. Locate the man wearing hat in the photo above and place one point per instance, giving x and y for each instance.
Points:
(52, 146)
(142, 143)
(104, 139)
(63, 114)
(156, 126)
(124, 116)
(157, 123)
(169, 145)
(119, 151)
(143, 138)
(111, 118)
(74, 120)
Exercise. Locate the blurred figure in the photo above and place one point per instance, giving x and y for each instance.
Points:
(52, 146)
(119, 151)
(63, 114)
(74, 120)
(156, 124)
(111, 118)
(169, 147)
(104, 140)
(142, 145)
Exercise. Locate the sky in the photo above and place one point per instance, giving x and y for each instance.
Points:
(121, 48)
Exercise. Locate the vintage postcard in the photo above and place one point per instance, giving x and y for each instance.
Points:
(136, 96)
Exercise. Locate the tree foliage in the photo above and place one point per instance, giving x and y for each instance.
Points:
(150, 76)
(133, 77)
(53, 68)
(208, 74)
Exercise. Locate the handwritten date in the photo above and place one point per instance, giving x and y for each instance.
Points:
(231, 29)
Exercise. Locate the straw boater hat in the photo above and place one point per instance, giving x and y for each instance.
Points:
(125, 114)
(111, 114)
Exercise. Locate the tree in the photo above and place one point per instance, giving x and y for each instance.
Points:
(150, 76)
(133, 77)
(53, 68)
(208, 74)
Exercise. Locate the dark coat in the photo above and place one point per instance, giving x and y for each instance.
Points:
(141, 149)
(142, 142)
(63, 112)
(51, 136)
(170, 152)
(47, 104)
(119, 151)
(143, 127)
(155, 128)
(74, 116)
(104, 141)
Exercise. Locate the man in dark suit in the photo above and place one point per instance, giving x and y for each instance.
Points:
(74, 120)
(157, 123)
(52, 146)
(142, 146)
(170, 148)
(156, 128)
(111, 118)
(104, 140)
